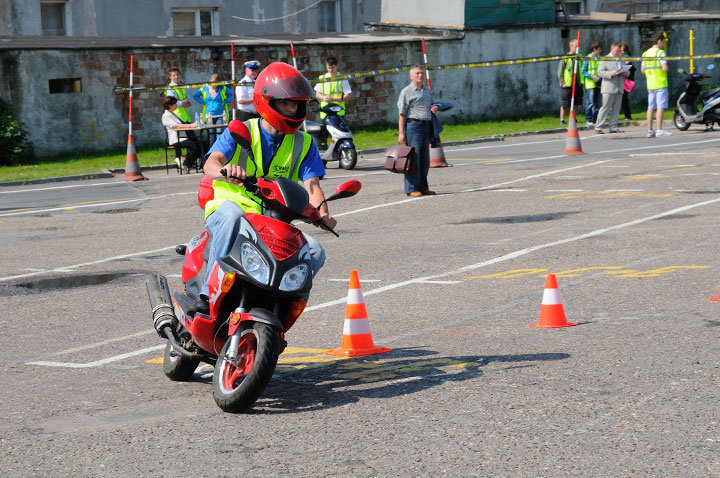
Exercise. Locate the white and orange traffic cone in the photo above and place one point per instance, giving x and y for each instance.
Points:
(552, 313)
(357, 339)
(573, 146)
(132, 166)
(715, 299)
(437, 156)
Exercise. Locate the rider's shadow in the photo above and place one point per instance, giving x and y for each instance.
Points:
(336, 382)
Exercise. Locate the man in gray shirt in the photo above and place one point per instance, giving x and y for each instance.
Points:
(415, 129)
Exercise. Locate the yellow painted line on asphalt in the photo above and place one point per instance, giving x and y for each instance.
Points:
(615, 271)
(652, 272)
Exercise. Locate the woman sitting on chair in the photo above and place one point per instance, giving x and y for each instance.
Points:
(171, 121)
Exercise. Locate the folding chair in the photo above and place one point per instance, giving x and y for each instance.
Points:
(169, 147)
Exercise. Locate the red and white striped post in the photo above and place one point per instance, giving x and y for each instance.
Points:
(232, 72)
(437, 154)
(132, 166)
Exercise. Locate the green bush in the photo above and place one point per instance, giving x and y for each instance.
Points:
(14, 147)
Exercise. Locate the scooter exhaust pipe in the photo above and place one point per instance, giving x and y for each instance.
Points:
(162, 309)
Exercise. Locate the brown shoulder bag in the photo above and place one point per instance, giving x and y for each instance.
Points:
(400, 159)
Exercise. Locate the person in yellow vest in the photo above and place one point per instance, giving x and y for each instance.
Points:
(179, 93)
(332, 91)
(217, 101)
(591, 82)
(655, 72)
(565, 77)
(278, 149)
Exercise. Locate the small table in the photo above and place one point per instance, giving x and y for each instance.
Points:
(200, 129)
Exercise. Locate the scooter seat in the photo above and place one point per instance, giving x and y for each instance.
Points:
(312, 127)
(710, 93)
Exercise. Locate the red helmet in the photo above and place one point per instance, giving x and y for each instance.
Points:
(280, 81)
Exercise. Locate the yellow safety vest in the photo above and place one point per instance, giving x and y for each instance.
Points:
(181, 95)
(589, 83)
(568, 72)
(333, 89)
(285, 163)
(223, 97)
(656, 77)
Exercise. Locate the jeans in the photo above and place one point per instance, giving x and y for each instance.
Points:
(212, 133)
(224, 225)
(592, 104)
(417, 134)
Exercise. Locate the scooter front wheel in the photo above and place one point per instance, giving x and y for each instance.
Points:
(348, 158)
(237, 384)
(680, 122)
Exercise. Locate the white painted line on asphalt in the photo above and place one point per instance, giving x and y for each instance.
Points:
(80, 206)
(444, 282)
(84, 264)
(509, 190)
(98, 363)
(347, 280)
(564, 190)
(519, 253)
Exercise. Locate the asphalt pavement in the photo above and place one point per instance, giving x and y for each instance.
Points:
(451, 283)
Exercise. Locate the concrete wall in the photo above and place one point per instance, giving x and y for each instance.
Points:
(96, 119)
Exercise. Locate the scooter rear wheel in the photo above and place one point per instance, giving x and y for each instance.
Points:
(680, 122)
(237, 385)
(178, 368)
(348, 158)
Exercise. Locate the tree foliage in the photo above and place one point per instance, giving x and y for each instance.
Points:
(14, 147)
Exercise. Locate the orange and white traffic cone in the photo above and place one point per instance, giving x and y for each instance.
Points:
(132, 166)
(573, 139)
(715, 299)
(357, 339)
(437, 156)
(552, 313)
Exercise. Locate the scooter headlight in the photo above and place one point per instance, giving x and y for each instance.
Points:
(254, 263)
(295, 278)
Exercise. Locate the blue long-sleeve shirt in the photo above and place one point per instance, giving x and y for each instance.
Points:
(215, 106)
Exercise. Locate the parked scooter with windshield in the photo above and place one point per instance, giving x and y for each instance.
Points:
(256, 293)
(333, 137)
(686, 111)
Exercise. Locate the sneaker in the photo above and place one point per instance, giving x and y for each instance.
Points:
(177, 162)
(562, 121)
(589, 123)
(651, 133)
(662, 132)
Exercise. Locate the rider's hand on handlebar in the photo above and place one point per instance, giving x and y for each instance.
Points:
(233, 172)
(327, 221)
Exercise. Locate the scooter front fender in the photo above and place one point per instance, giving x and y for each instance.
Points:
(254, 315)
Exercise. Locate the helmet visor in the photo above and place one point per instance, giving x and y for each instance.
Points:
(294, 88)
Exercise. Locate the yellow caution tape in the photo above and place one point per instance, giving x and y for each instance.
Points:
(456, 66)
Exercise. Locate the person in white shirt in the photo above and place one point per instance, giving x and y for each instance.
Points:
(244, 93)
(171, 121)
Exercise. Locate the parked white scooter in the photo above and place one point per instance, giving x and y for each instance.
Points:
(333, 137)
(686, 111)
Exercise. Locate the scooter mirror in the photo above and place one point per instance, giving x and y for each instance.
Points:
(241, 134)
(345, 190)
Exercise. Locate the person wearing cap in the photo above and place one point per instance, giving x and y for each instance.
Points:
(332, 91)
(244, 93)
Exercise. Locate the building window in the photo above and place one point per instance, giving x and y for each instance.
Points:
(574, 7)
(65, 85)
(52, 16)
(197, 22)
(329, 16)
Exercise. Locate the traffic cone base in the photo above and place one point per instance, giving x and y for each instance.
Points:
(552, 313)
(715, 299)
(573, 146)
(437, 157)
(357, 339)
(132, 166)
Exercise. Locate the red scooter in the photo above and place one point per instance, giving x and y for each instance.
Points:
(256, 293)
